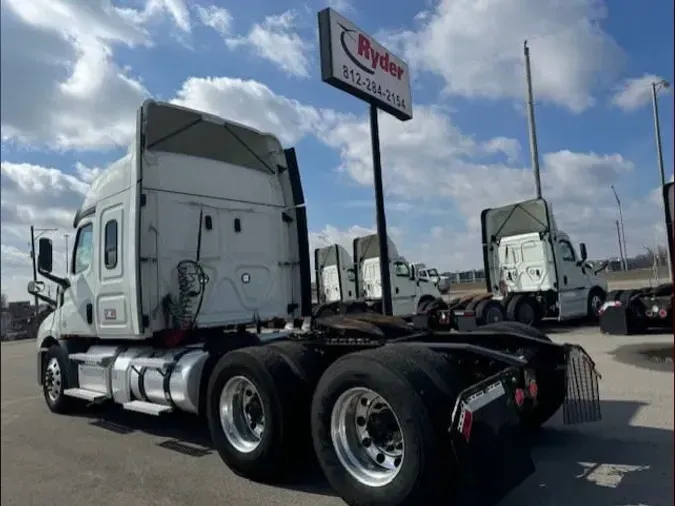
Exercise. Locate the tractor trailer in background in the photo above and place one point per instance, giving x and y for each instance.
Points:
(636, 311)
(532, 272)
(346, 284)
(189, 290)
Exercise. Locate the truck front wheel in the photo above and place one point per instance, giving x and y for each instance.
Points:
(55, 380)
(254, 397)
(377, 432)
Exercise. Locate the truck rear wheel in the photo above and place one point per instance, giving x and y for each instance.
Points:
(378, 427)
(550, 383)
(55, 381)
(256, 402)
(523, 308)
(490, 311)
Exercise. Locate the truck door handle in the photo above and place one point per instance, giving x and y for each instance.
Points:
(90, 313)
(565, 279)
(396, 289)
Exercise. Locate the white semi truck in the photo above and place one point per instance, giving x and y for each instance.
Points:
(187, 247)
(532, 270)
(342, 283)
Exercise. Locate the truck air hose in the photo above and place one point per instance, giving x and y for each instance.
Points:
(192, 282)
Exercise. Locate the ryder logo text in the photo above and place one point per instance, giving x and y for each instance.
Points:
(376, 59)
(365, 51)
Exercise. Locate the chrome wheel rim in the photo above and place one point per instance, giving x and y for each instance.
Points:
(242, 417)
(596, 304)
(367, 437)
(53, 379)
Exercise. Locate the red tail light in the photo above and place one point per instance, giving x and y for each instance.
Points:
(520, 396)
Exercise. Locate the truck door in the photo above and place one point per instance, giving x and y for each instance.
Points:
(404, 289)
(77, 311)
(112, 306)
(572, 282)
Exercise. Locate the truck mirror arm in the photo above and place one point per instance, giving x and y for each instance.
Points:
(62, 282)
(46, 299)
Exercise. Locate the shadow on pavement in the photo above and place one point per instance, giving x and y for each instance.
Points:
(188, 435)
(652, 356)
(609, 463)
(606, 464)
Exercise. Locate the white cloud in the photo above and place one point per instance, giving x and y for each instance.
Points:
(276, 41)
(59, 84)
(46, 198)
(177, 10)
(477, 47)
(215, 17)
(510, 147)
(251, 103)
(342, 6)
(632, 94)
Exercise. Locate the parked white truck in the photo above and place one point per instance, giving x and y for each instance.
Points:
(532, 270)
(347, 286)
(431, 274)
(197, 239)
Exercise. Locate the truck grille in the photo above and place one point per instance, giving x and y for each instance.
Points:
(582, 395)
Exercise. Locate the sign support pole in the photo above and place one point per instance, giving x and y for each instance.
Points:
(385, 280)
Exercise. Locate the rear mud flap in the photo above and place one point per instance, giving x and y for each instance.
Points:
(492, 451)
(465, 321)
(582, 392)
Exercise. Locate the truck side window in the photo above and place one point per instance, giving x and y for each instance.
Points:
(567, 252)
(110, 244)
(84, 248)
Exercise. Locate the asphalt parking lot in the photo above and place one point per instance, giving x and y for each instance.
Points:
(108, 457)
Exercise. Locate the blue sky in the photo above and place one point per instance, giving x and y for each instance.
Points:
(592, 64)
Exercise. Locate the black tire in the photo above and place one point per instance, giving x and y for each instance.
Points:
(354, 308)
(626, 296)
(490, 311)
(284, 395)
(55, 374)
(436, 305)
(421, 407)
(551, 384)
(596, 298)
(423, 305)
(522, 308)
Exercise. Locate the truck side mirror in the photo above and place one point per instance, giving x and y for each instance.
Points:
(35, 287)
(45, 255)
(584, 252)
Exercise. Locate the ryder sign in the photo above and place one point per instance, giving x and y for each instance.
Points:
(353, 61)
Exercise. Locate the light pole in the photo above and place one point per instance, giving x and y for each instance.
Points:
(618, 235)
(40, 232)
(623, 233)
(656, 87)
(66, 237)
(534, 149)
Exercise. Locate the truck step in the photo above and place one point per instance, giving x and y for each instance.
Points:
(92, 358)
(87, 395)
(147, 408)
(152, 362)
